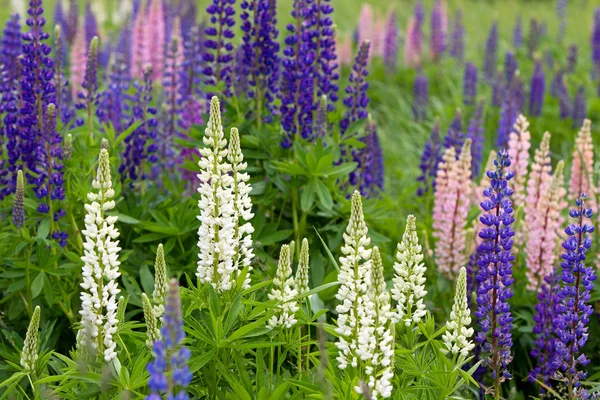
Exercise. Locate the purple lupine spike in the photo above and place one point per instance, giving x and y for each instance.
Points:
(571, 59)
(11, 46)
(544, 349)
(391, 45)
(538, 90)
(90, 24)
(193, 50)
(574, 312)
(596, 43)
(37, 88)
(187, 15)
(114, 101)
(498, 89)
(357, 100)
(579, 107)
(241, 82)
(437, 45)
(561, 13)
(123, 47)
(369, 175)
(508, 116)
(169, 372)
(491, 54)
(475, 132)
(470, 84)
(510, 66)
(191, 115)
(431, 157)
(420, 96)
(104, 54)
(88, 97)
(534, 36)
(549, 59)
(564, 99)
(59, 15)
(140, 146)
(555, 84)
(323, 42)
(419, 13)
(495, 279)
(260, 55)
(219, 49)
(10, 135)
(63, 101)
(455, 136)
(517, 37)
(457, 46)
(172, 87)
(297, 85)
(72, 20)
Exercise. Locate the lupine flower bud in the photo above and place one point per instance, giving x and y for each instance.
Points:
(538, 89)
(458, 332)
(517, 37)
(491, 54)
(357, 100)
(160, 282)
(29, 355)
(420, 96)
(283, 292)
(152, 331)
(437, 45)
(301, 278)
(391, 45)
(18, 213)
(510, 67)
(457, 45)
(470, 84)
(579, 107)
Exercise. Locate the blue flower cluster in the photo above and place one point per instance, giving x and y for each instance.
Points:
(470, 84)
(368, 177)
(455, 136)
(431, 157)
(538, 90)
(357, 99)
(491, 54)
(218, 54)
(113, 104)
(420, 97)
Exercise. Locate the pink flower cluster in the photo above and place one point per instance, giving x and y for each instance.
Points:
(148, 40)
(519, 143)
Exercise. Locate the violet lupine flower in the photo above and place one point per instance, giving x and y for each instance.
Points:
(37, 87)
(457, 44)
(455, 136)
(495, 273)
(59, 15)
(88, 97)
(491, 54)
(260, 54)
(191, 70)
(172, 87)
(114, 101)
(368, 177)
(139, 146)
(579, 107)
(357, 99)
(475, 132)
(470, 84)
(413, 44)
(571, 59)
(323, 43)
(538, 90)
(420, 96)
(60, 81)
(573, 313)
(91, 25)
(169, 372)
(390, 44)
(549, 59)
(509, 111)
(564, 98)
(437, 45)
(219, 49)
(18, 211)
(517, 37)
(419, 13)
(72, 21)
(510, 67)
(191, 114)
(544, 344)
(430, 159)
(561, 13)
(596, 42)
(534, 37)
(187, 13)
(498, 90)
(11, 46)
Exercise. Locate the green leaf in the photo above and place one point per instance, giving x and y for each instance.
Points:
(308, 196)
(201, 360)
(275, 237)
(324, 195)
(339, 170)
(127, 132)
(126, 219)
(289, 168)
(147, 279)
(44, 228)
(37, 285)
(331, 257)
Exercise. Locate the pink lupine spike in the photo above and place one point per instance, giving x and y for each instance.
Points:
(139, 52)
(365, 23)
(378, 37)
(177, 33)
(413, 44)
(344, 50)
(451, 206)
(79, 53)
(543, 232)
(519, 143)
(155, 37)
(582, 169)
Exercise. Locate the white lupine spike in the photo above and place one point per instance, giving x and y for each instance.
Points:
(242, 207)
(409, 280)
(302, 271)
(458, 331)
(101, 265)
(283, 292)
(160, 282)
(217, 225)
(152, 330)
(354, 316)
(29, 355)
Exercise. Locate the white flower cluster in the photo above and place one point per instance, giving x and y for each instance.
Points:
(409, 280)
(458, 332)
(101, 265)
(29, 355)
(224, 245)
(301, 279)
(283, 292)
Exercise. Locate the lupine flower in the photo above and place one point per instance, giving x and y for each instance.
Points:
(517, 37)
(455, 136)
(544, 348)
(191, 71)
(344, 50)
(88, 96)
(510, 67)
(369, 174)
(559, 90)
(160, 282)
(484, 183)
(155, 40)
(71, 21)
(91, 25)
(301, 278)
(172, 86)
(475, 132)
(29, 355)
(169, 372)
(538, 89)
(509, 112)
(152, 330)
(59, 15)
(457, 43)
(113, 102)
(456, 337)
(491, 54)
(561, 13)
(549, 59)
(101, 266)
(534, 36)
(420, 96)
(216, 232)
(413, 52)
(579, 107)
(437, 45)
(391, 45)
(18, 212)
(419, 13)
(571, 59)
(354, 276)
(242, 208)
(431, 157)
(519, 144)
(219, 49)
(140, 146)
(60, 81)
(596, 41)
(470, 84)
(573, 312)
(539, 180)
(139, 48)
(366, 21)
(79, 55)
(409, 279)
(451, 207)
(582, 168)
(542, 238)
(283, 292)
(495, 273)
(11, 46)
(498, 89)
(357, 101)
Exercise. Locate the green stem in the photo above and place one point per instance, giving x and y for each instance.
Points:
(29, 296)
(295, 218)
